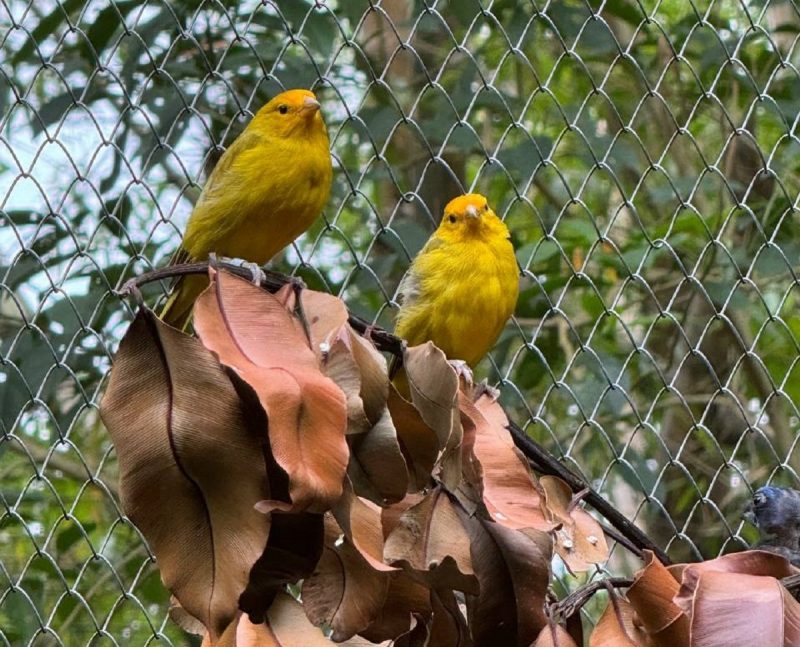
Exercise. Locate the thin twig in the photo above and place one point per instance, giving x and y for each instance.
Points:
(541, 459)
(573, 603)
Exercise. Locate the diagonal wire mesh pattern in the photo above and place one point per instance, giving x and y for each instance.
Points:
(644, 154)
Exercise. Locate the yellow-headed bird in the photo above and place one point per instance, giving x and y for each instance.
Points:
(265, 191)
(462, 287)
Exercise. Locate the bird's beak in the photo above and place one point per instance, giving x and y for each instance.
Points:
(472, 212)
(310, 106)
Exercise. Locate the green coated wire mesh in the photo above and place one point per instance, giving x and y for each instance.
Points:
(644, 154)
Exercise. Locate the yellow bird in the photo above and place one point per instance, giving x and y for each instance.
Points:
(265, 191)
(463, 285)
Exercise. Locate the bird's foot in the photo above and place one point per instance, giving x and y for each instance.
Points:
(257, 274)
(485, 387)
(463, 371)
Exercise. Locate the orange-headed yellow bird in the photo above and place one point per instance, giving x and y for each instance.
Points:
(462, 287)
(265, 191)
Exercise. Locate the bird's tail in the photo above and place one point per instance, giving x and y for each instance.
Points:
(177, 311)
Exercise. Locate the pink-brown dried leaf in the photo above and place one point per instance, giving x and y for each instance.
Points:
(253, 333)
(189, 475)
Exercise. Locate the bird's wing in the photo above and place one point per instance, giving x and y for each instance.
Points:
(410, 288)
(220, 179)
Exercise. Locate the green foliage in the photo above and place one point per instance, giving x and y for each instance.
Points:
(656, 339)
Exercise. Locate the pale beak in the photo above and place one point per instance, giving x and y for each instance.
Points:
(310, 105)
(472, 212)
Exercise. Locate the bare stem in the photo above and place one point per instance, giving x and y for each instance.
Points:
(574, 602)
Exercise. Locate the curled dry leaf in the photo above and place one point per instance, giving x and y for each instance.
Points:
(579, 541)
(740, 609)
(405, 599)
(651, 595)
(390, 515)
(513, 569)
(619, 626)
(189, 475)
(286, 626)
(344, 591)
(737, 599)
(377, 467)
(447, 625)
(253, 333)
(360, 521)
(418, 442)
(184, 619)
(433, 386)
(431, 543)
(340, 366)
(553, 635)
(328, 322)
(509, 490)
(293, 550)
(325, 314)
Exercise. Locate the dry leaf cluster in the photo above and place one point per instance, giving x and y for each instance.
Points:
(271, 453)
(272, 450)
(734, 600)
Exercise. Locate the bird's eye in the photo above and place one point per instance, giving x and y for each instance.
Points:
(486, 207)
(759, 498)
(283, 109)
(452, 218)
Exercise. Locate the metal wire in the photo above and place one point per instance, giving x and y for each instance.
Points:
(643, 153)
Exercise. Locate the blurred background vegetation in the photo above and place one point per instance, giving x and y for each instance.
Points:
(643, 152)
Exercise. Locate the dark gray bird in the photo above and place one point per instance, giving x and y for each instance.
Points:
(775, 511)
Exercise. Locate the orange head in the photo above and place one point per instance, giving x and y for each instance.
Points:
(291, 113)
(469, 216)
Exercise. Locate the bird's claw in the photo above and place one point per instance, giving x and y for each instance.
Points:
(485, 388)
(257, 274)
(462, 370)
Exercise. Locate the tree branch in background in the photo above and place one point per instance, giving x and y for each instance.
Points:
(541, 459)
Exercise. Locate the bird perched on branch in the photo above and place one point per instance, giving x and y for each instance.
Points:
(265, 191)
(462, 286)
(775, 511)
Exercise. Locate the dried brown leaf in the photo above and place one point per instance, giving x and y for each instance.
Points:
(293, 550)
(513, 569)
(580, 540)
(651, 595)
(340, 366)
(447, 625)
(326, 316)
(555, 636)
(619, 626)
(377, 467)
(418, 442)
(286, 626)
(390, 515)
(405, 599)
(184, 619)
(328, 321)
(431, 542)
(344, 591)
(509, 489)
(360, 521)
(737, 599)
(252, 332)
(189, 475)
(738, 609)
(433, 386)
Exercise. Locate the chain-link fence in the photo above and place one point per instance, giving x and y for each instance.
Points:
(644, 154)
